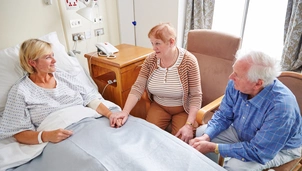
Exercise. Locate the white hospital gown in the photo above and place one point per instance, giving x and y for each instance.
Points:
(28, 104)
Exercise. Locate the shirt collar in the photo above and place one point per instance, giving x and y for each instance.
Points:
(259, 99)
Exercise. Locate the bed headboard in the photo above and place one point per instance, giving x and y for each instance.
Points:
(21, 20)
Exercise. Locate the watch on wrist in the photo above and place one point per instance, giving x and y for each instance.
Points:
(189, 123)
(216, 149)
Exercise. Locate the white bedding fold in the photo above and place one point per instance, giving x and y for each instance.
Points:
(13, 154)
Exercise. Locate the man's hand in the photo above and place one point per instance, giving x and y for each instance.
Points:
(203, 144)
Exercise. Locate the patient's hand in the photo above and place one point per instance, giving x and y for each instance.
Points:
(118, 119)
(30, 137)
(56, 135)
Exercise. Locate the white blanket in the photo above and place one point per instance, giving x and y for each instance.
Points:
(13, 154)
(138, 145)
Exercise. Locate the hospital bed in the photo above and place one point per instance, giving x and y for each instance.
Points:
(94, 145)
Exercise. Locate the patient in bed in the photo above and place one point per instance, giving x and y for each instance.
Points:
(47, 108)
(43, 90)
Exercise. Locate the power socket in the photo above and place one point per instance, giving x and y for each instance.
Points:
(78, 36)
(111, 81)
(75, 23)
(98, 19)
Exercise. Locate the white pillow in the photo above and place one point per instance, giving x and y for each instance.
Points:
(11, 71)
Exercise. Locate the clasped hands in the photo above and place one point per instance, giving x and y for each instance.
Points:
(203, 144)
(118, 119)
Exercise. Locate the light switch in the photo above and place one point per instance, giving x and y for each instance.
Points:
(87, 34)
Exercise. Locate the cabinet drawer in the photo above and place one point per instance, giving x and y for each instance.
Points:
(129, 75)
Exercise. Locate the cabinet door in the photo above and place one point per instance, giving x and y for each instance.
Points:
(126, 17)
(147, 13)
(129, 75)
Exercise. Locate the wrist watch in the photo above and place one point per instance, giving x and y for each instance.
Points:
(189, 123)
(216, 149)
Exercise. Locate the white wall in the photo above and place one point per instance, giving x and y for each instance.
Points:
(21, 20)
(148, 13)
(24, 19)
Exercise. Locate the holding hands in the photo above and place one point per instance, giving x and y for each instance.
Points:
(203, 144)
(118, 119)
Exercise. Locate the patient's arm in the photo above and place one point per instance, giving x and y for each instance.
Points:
(115, 120)
(97, 105)
(31, 137)
(103, 110)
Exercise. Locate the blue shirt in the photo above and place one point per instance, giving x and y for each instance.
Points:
(265, 124)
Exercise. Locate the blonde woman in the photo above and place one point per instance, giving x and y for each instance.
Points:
(45, 89)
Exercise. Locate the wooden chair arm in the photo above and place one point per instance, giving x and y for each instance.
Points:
(207, 111)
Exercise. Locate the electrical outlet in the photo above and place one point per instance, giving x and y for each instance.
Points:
(99, 32)
(98, 19)
(111, 81)
(75, 23)
(78, 36)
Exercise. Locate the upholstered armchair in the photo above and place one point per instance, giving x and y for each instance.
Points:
(293, 81)
(215, 52)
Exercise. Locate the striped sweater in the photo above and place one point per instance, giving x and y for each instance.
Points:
(189, 75)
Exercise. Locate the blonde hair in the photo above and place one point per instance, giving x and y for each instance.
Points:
(163, 31)
(32, 49)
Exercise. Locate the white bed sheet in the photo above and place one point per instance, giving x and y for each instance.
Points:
(14, 154)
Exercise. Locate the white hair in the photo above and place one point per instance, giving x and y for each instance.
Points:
(262, 66)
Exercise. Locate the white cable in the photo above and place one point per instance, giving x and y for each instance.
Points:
(105, 88)
(108, 83)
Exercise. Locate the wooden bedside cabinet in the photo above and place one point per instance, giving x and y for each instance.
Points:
(115, 76)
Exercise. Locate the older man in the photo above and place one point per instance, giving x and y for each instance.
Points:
(258, 124)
